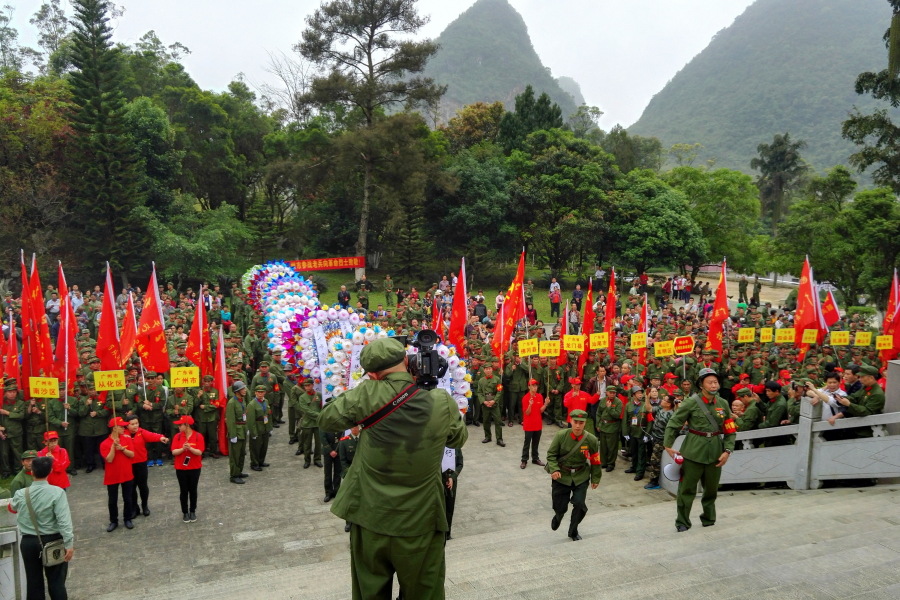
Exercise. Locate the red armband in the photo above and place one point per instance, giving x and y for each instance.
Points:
(595, 458)
(730, 427)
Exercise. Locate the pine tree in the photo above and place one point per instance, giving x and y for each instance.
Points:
(411, 246)
(104, 174)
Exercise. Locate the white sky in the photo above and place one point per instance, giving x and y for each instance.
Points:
(622, 52)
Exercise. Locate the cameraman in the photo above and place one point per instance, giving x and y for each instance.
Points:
(393, 495)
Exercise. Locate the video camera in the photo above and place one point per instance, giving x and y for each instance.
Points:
(427, 366)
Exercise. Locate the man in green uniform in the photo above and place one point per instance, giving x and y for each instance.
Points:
(259, 424)
(35, 423)
(310, 407)
(23, 478)
(12, 419)
(706, 448)
(573, 459)
(346, 453)
(294, 415)
(276, 398)
(634, 429)
(742, 289)
(757, 288)
(272, 383)
(236, 429)
(388, 286)
(393, 495)
(489, 391)
(93, 425)
(206, 415)
(556, 382)
(61, 415)
(609, 418)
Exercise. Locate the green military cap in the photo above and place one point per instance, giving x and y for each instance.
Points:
(265, 363)
(276, 351)
(229, 345)
(612, 388)
(151, 374)
(869, 370)
(381, 354)
(93, 358)
(578, 415)
(678, 392)
(87, 331)
(29, 454)
(690, 360)
(61, 384)
(309, 381)
(260, 388)
(744, 392)
(10, 385)
(208, 378)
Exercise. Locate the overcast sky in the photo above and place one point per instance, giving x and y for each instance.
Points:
(622, 52)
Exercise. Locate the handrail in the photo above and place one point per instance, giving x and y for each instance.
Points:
(849, 423)
(756, 434)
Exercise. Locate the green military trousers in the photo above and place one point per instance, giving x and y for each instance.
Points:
(692, 473)
(311, 444)
(609, 449)
(237, 453)
(562, 494)
(259, 447)
(418, 562)
(492, 414)
(210, 432)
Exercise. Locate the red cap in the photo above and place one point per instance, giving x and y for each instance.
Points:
(671, 376)
(118, 421)
(784, 374)
(533, 382)
(51, 435)
(626, 378)
(185, 420)
(745, 375)
(575, 381)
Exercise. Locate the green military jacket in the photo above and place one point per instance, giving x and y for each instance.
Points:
(657, 372)
(698, 448)
(635, 421)
(776, 412)
(346, 452)
(518, 377)
(91, 426)
(36, 420)
(236, 418)
(486, 390)
(259, 418)
(866, 401)
(294, 396)
(751, 418)
(272, 382)
(556, 379)
(15, 421)
(184, 403)
(310, 406)
(609, 418)
(58, 414)
(757, 376)
(156, 399)
(21, 481)
(395, 487)
(586, 460)
(208, 400)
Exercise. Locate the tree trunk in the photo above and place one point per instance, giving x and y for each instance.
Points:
(364, 218)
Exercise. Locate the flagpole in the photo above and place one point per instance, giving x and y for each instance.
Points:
(66, 300)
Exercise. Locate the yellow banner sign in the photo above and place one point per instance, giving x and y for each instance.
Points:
(784, 336)
(528, 347)
(840, 338)
(107, 381)
(810, 336)
(573, 343)
(684, 345)
(746, 335)
(766, 335)
(599, 340)
(666, 348)
(884, 342)
(863, 338)
(638, 341)
(550, 348)
(43, 387)
(185, 377)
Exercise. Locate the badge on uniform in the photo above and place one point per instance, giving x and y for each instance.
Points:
(265, 419)
(634, 421)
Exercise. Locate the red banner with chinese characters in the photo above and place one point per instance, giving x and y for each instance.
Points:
(325, 264)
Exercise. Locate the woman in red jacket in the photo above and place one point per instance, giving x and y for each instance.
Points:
(187, 448)
(139, 438)
(58, 476)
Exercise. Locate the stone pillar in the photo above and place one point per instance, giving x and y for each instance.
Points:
(809, 414)
(892, 394)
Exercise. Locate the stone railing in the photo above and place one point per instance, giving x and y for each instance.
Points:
(808, 459)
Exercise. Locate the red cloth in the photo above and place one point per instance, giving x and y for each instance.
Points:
(119, 470)
(534, 421)
(58, 475)
(756, 389)
(579, 401)
(139, 441)
(196, 441)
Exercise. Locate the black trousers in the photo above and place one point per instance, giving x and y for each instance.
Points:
(577, 494)
(187, 484)
(127, 498)
(35, 570)
(554, 309)
(139, 470)
(91, 449)
(450, 498)
(532, 438)
(332, 474)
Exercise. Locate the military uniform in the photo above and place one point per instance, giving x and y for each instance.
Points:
(206, 416)
(294, 413)
(609, 423)
(310, 443)
(489, 389)
(332, 463)
(577, 459)
(556, 382)
(236, 429)
(393, 495)
(389, 297)
(259, 425)
(13, 423)
(92, 426)
(274, 392)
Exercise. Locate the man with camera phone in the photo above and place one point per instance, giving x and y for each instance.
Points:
(393, 496)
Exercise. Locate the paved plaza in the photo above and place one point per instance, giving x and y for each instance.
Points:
(274, 538)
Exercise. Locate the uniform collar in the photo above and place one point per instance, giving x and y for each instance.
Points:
(577, 439)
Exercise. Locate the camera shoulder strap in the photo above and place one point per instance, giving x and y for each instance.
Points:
(398, 401)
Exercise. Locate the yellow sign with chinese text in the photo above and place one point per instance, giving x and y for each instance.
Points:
(666, 348)
(107, 381)
(638, 341)
(766, 335)
(884, 342)
(784, 336)
(550, 348)
(43, 387)
(746, 335)
(840, 338)
(599, 340)
(863, 338)
(810, 336)
(573, 343)
(528, 347)
(185, 377)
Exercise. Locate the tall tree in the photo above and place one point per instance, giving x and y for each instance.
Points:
(781, 171)
(370, 64)
(631, 151)
(53, 28)
(530, 115)
(103, 170)
(474, 124)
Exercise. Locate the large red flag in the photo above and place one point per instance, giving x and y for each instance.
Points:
(436, 320)
(720, 313)
(198, 351)
(609, 317)
(43, 363)
(890, 325)
(11, 366)
(108, 350)
(587, 328)
(151, 336)
(512, 310)
(220, 382)
(806, 315)
(65, 366)
(564, 330)
(129, 332)
(29, 353)
(459, 314)
(644, 327)
(830, 312)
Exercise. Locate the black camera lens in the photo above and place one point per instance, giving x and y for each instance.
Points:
(427, 337)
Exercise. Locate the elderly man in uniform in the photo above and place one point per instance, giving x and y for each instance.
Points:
(393, 495)
(573, 459)
(706, 448)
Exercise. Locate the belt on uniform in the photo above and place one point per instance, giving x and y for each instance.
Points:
(571, 470)
(607, 422)
(261, 420)
(706, 434)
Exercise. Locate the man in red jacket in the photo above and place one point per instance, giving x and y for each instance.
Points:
(58, 476)
(576, 399)
(140, 437)
(118, 450)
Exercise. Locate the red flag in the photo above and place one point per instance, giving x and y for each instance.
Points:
(893, 303)
(459, 314)
(609, 317)
(805, 317)
(11, 366)
(151, 336)
(587, 328)
(830, 310)
(563, 355)
(108, 350)
(220, 382)
(643, 327)
(198, 351)
(436, 321)
(512, 310)
(65, 367)
(42, 363)
(129, 332)
(29, 353)
(720, 313)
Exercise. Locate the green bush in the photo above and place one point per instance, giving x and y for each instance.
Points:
(866, 313)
